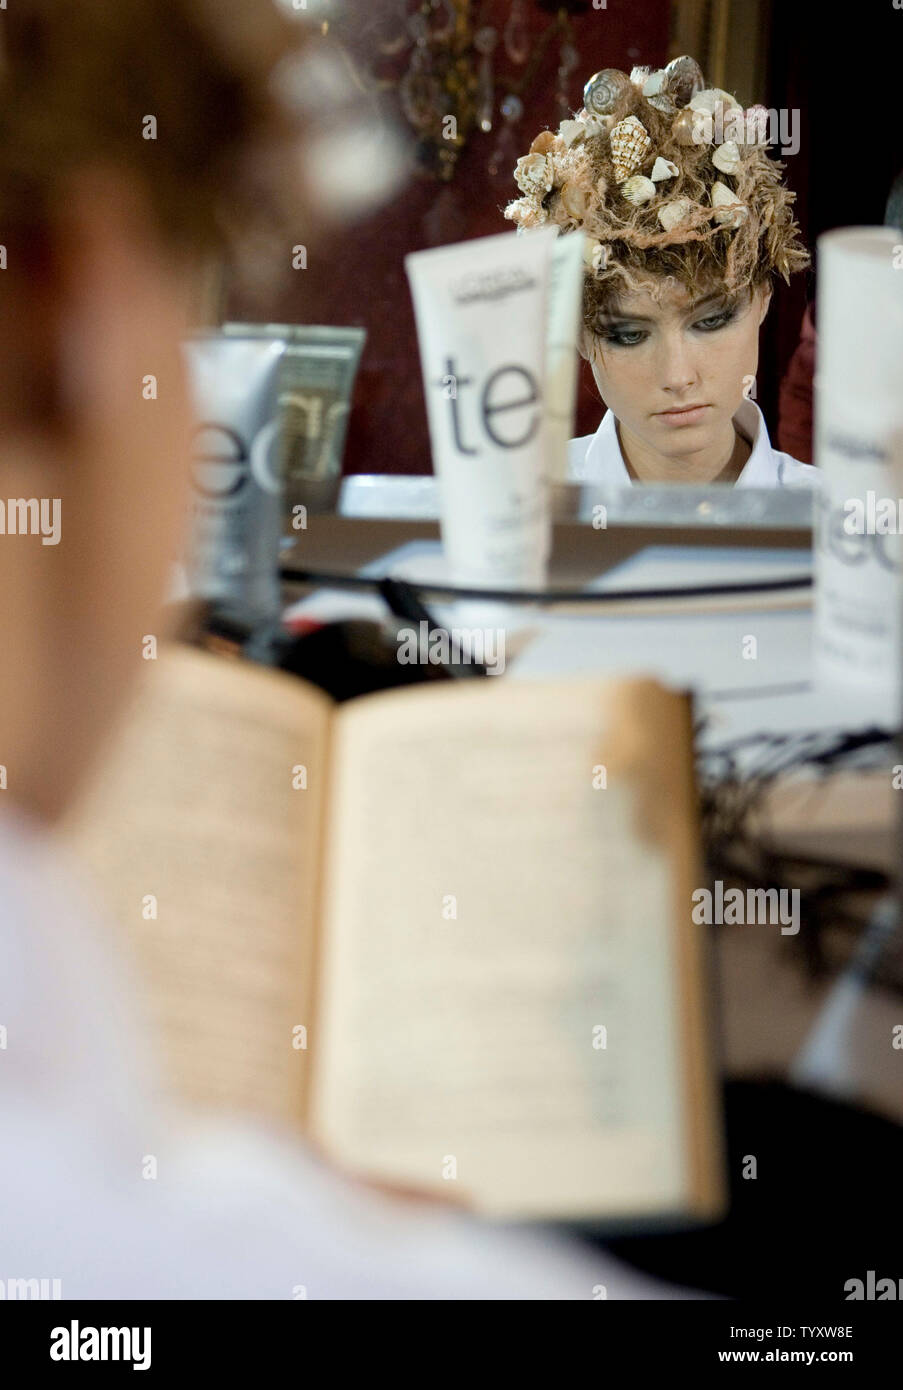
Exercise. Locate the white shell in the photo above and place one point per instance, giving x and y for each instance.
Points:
(663, 169)
(571, 131)
(639, 189)
(672, 214)
(597, 125)
(722, 197)
(595, 254)
(655, 83)
(711, 98)
(727, 157)
(638, 76)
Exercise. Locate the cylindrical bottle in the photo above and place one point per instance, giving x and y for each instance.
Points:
(236, 509)
(858, 407)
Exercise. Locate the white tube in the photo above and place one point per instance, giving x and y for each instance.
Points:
(565, 312)
(481, 309)
(858, 406)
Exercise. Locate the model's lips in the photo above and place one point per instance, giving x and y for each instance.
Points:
(687, 415)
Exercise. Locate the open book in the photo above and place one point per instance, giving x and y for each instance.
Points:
(446, 930)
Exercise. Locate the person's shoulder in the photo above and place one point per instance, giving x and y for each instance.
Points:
(792, 472)
(577, 451)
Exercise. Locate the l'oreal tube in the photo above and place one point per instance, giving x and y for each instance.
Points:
(236, 500)
(857, 622)
(565, 309)
(481, 310)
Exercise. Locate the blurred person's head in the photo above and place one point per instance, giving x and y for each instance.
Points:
(688, 225)
(136, 139)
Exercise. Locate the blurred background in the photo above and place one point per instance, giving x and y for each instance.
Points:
(385, 76)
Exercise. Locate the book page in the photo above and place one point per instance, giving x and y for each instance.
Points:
(206, 847)
(501, 1008)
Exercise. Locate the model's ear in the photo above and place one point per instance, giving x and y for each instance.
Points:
(765, 297)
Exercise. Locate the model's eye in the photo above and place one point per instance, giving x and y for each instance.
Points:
(708, 325)
(621, 337)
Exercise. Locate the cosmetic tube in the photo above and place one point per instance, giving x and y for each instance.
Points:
(236, 493)
(317, 378)
(481, 309)
(858, 407)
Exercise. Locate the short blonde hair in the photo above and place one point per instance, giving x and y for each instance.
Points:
(574, 179)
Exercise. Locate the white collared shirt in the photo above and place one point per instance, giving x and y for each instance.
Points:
(597, 457)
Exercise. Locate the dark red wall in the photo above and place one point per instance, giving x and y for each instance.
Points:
(365, 283)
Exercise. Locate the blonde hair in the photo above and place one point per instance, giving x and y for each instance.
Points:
(573, 179)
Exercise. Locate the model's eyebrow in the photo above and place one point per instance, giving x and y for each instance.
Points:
(619, 317)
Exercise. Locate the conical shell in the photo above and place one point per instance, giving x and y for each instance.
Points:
(727, 157)
(672, 214)
(663, 169)
(630, 145)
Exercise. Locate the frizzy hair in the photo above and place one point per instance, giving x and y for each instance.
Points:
(700, 254)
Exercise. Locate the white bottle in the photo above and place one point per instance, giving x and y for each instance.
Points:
(858, 625)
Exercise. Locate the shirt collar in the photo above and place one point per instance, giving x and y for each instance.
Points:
(605, 462)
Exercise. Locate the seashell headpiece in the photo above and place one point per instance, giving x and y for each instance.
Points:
(656, 159)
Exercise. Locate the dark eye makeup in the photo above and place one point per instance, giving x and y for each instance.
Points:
(624, 337)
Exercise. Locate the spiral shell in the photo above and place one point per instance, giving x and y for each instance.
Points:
(604, 90)
(630, 145)
(685, 79)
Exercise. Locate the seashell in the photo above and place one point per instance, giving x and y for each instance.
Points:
(639, 76)
(663, 169)
(630, 144)
(574, 200)
(727, 157)
(673, 213)
(595, 254)
(543, 142)
(728, 208)
(533, 174)
(682, 127)
(597, 125)
(693, 127)
(638, 189)
(604, 90)
(685, 79)
(655, 83)
(711, 98)
(526, 212)
(571, 131)
(663, 103)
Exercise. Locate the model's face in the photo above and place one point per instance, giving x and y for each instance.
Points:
(648, 358)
